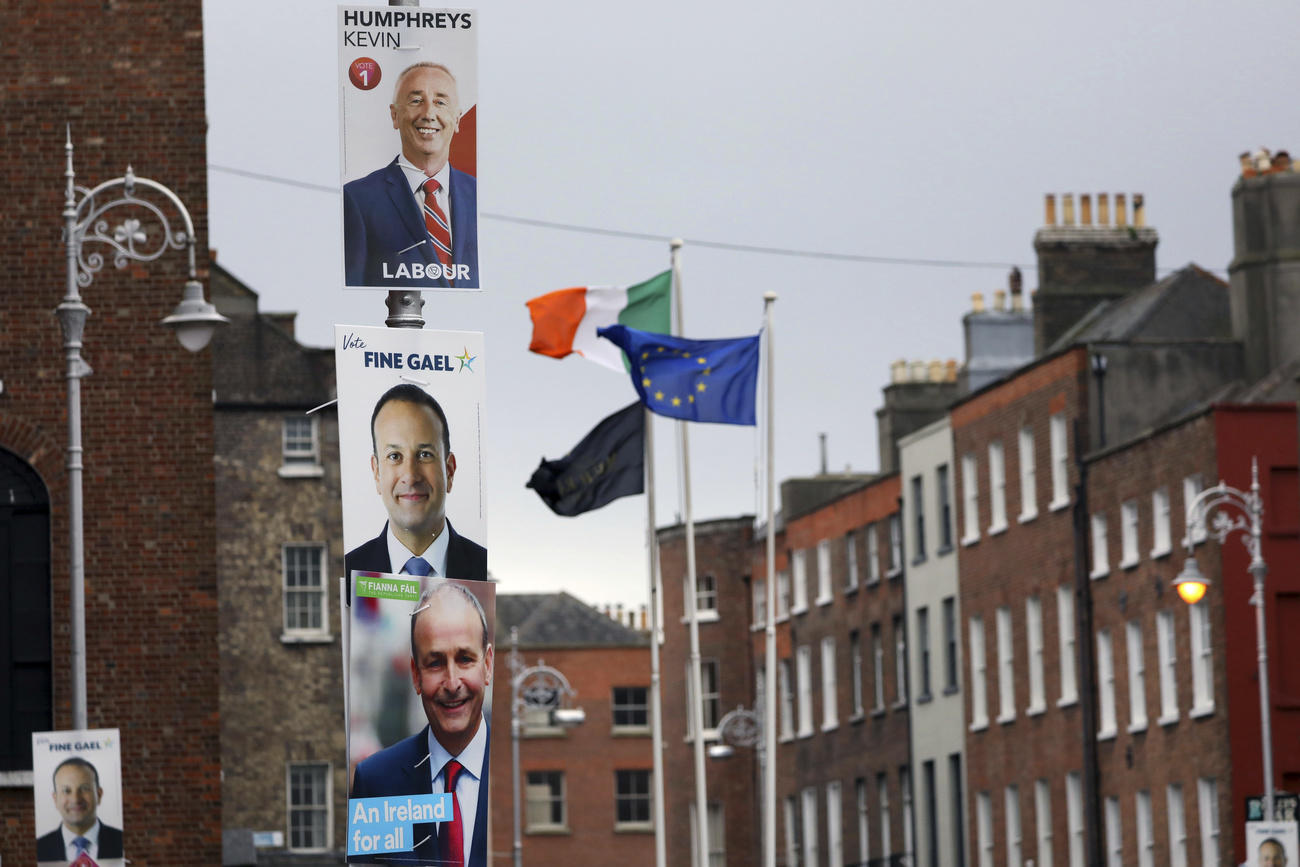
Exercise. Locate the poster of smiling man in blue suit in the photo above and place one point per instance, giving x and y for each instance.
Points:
(408, 83)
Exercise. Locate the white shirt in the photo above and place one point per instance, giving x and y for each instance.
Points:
(467, 783)
(71, 850)
(416, 177)
(435, 554)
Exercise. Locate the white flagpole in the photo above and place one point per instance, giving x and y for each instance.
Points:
(769, 631)
(656, 700)
(689, 602)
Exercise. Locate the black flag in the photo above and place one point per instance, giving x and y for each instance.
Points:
(609, 463)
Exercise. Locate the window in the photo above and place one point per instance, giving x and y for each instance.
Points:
(997, 489)
(1128, 528)
(799, 566)
(1207, 801)
(300, 448)
(855, 654)
(834, 828)
(1074, 817)
(810, 851)
(1060, 463)
(877, 668)
(931, 828)
(1028, 477)
(1043, 822)
(717, 836)
(782, 595)
(760, 602)
(978, 697)
(1114, 836)
(1105, 686)
(1168, 658)
(1202, 663)
(1011, 801)
(804, 661)
(900, 661)
(1100, 556)
(1006, 668)
(830, 713)
(824, 572)
(955, 789)
(1146, 841)
(1034, 637)
(544, 801)
(310, 807)
(793, 833)
(864, 821)
(905, 790)
(1137, 690)
(873, 555)
(895, 545)
(882, 800)
(950, 645)
(1065, 633)
(1192, 487)
(970, 501)
(923, 646)
(305, 601)
(918, 519)
(706, 597)
(1160, 541)
(629, 707)
(632, 800)
(944, 499)
(851, 558)
(710, 700)
(787, 699)
(984, 828)
(1177, 826)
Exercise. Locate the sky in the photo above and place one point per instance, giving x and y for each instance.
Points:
(849, 133)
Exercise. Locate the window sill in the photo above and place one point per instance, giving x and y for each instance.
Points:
(998, 529)
(630, 732)
(16, 780)
(825, 600)
(979, 725)
(707, 615)
(634, 828)
(1006, 719)
(1036, 709)
(1026, 517)
(918, 560)
(873, 580)
(950, 690)
(967, 541)
(830, 727)
(877, 713)
(548, 830)
(857, 718)
(1107, 734)
(804, 735)
(798, 609)
(1058, 505)
(850, 589)
(1137, 727)
(943, 550)
(300, 471)
(1156, 554)
(1129, 564)
(1067, 701)
(1168, 719)
(785, 739)
(1202, 712)
(1099, 573)
(901, 704)
(924, 698)
(306, 638)
(894, 573)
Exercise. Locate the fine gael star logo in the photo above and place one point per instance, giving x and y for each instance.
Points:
(466, 360)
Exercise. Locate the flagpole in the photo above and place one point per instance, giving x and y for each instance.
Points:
(689, 602)
(656, 700)
(769, 630)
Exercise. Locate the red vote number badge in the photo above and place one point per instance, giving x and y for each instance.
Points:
(364, 73)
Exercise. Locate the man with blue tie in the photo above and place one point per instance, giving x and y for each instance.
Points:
(414, 222)
(414, 469)
(451, 670)
(77, 795)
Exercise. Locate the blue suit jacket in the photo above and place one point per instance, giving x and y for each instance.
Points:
(381, 218)
(403, 769)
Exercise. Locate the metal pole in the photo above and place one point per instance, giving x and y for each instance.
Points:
(696, 709)
(514, 745)
(406, 306)
(1259, 569)
(768, 754)
(656, 699)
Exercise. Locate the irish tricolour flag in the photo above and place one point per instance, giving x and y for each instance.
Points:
(565, 321)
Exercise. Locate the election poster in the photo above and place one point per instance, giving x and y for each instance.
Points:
(77, 784)
(420, 663)
(1272, 844)
(411, 422)
(408, 113)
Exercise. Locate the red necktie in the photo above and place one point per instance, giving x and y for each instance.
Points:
(436, 222)
(452, 833)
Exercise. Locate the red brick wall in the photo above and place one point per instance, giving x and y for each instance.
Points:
(129, 79)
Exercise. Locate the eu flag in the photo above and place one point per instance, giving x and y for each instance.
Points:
(693, 380)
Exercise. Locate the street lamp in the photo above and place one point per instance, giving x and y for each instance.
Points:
(1191, 584)
(535, 687)
(741, 727)
(86, 221)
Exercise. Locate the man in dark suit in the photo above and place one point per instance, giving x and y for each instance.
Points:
(414, 469)
(77, 794)
(451, 670)
(415, 221)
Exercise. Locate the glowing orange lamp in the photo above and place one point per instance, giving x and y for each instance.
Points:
(1191, 584)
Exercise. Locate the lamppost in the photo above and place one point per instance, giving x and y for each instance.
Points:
(743, 727)
(86, 221)
(1191, 583)
(535, 687)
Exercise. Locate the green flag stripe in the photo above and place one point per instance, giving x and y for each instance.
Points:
(649, 305)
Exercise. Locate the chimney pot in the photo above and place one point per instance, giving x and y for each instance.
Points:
(1281, 161)
(821, 437)
(1103, 209)
(1121, 210)
(1015, 281)
(936, 371)
(898, 371)
(1067, 205)
(1049, 210)
(1139, 210)
(1000, 300)
(1085, 209)
(1262, 159)
(918, 371)
(950, 374)
(977, 302)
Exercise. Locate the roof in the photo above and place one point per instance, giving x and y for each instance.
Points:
(560, 620)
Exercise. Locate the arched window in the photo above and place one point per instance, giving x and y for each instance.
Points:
(26, 673)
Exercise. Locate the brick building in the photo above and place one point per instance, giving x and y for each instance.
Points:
(585, 792)
(132, 95)
(279, 531)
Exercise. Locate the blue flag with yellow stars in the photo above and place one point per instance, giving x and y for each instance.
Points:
(693, 380)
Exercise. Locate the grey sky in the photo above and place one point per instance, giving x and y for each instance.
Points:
(906, 130)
